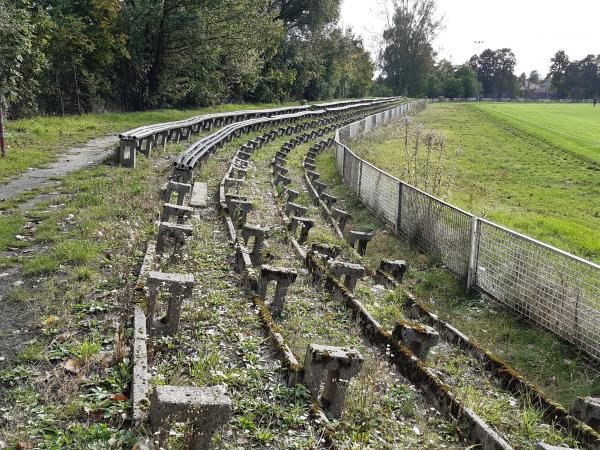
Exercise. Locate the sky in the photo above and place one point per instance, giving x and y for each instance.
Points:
(533, 29)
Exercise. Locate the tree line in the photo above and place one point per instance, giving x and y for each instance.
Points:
(77, 56)
(409, 67)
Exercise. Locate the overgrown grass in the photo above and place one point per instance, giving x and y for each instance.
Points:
(9, 228)
(382, 410)
(35, 142)
(84, 246)
(538, 180)
(541, 356)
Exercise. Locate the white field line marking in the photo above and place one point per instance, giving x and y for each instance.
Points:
(533, 122)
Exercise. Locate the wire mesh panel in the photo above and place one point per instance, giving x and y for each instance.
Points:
(438, 229)
(556, 290)
(379, 191)
(352, 165)
(339, 157)
(553, 289)
(353, 130)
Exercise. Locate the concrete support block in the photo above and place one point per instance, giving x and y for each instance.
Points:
(293, 209)
(243, 155)
(330, 251)
(362, 238)
(182, 176)
(238, 210)
(233, 183)
(291, 194)
(204, 409)
(175, 233)
(342, 217)
(587, 409)
(328, 199)
(259, 234)
(283, 278)
(282, 180)
(332, 367)
(419, 338)
(237, 172)
(396, 268)
(180, 213)
(278, 170)
(237, 162)
(319, 187)
(306, 225)
(181, 189)
(127, 153)
(350, 273)
(313, 176)
(543, 446)
(179, 288)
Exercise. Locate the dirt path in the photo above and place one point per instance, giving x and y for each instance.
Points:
(86, 155)
(15, 325)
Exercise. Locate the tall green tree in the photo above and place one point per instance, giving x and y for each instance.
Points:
(197, 51)
(306, 15)
(84, 45)
(21, 60)
(407, 55)
(560, 62)
(495, 72)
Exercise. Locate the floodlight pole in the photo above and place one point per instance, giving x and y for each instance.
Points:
(477, 43)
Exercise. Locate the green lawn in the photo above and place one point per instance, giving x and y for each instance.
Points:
(36, 142)
(572, 127)
(524, 166)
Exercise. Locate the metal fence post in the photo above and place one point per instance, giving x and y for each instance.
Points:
(473, 253)
(399, 218)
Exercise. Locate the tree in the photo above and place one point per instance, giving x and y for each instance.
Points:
(468, 79)
(315, 59)
(93, 55)
(197, 51)
(306, 15)
(528, 83)
(560, 62)
(495, 72)
(21, 61)
(407, 55)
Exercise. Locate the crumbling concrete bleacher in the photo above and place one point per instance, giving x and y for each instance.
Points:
(332, 367)
(179, 288)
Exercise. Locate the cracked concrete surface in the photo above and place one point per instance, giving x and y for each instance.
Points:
(86, 155)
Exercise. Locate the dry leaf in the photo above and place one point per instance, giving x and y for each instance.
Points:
(119, 397)
(26, 444)
(71, 365)
(49, 320)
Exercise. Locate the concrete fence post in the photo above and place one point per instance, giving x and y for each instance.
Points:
(360, 169)
(399, 216)
(473, 252)
(344, 157)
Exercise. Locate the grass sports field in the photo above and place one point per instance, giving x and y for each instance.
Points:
(532, 167)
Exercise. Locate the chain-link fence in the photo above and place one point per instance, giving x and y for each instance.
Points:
(551, 288)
